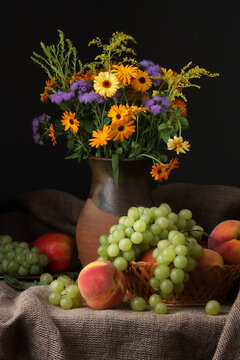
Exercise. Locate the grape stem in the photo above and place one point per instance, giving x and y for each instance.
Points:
(202, 231)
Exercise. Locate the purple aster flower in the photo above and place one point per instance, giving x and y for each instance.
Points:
(92, 96)
(152, 69)
(157, 104)
(116, 95)
(35, 124)
(81, 85)
(59, 96)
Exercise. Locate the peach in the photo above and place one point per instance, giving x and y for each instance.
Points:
(102, 285)
(147, 256)
(210, 258)
(225, 240)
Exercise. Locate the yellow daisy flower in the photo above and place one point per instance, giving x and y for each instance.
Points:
(52, 134)
(178, 145)
(137, 109)
(142, 82)
(125, 73)
(122, 129)
(69, 121)
(119, 112)
(100, 137)
(106, 84)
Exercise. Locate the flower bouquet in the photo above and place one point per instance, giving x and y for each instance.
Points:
(115, 107)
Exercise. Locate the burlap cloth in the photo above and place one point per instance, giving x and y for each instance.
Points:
(31, 328)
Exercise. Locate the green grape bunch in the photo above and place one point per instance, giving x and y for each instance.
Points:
(17, 258)
(174, 237)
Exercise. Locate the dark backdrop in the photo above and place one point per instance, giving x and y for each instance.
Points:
(171, 33)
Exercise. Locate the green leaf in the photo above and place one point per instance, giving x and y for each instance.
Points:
(165, 135)
(162, 127)
(15, 283)
(184, 123)
(115, 167)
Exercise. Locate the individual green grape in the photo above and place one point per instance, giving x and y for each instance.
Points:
(154, 283)
(129, 255)
(173, 217)
(160, 308)
(26, 264)
(144, 247)
(32, 258)
(162, 272)
(103, 239)
(102, 258)
(35, 249)
(117, 235)
(197, 231)
(136, 250)
(112, 228)
(155, 229)
(185, 214)
(5, 239)
(57, 286)
(167, 296)
(139, 226)
(212, 307)
(165, 208)
(66, 302)
(157, 212)
(191, 241)
(162, 261)
(155, 253)
(4, 265)
(181, 250)
(77, 302)
(172, 233)
(147, 211)
(113, 250)
(180, 262)
(19, 258)
(43, 260)
(137, 237)
(168, 254)
(166, 286)
(120, 263)
(196, 251)
(177, 275)
(178, 288)
(178, 239)
(162, 222)
(102, 250)
(46, 277)
(126, 221)
(25, 251)
(192, 263)
(35, 269)
(65, 279)
(10, 255)
(154, 299)
(181, 223)
(147, 236)
(125, 244)
(155, 240)
(141, 209)
(12, 267)
(138, 304)
(22, 270)
(8, 247)
(54, 298)
(24, 244)
(190, 224)
(145, 218)
(162, 244)
(128, 231)
(15, 244)
(134, 213)
(72, 291)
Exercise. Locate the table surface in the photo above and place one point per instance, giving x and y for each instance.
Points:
(31, 328)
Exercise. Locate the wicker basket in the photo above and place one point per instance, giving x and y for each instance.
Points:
(205, 283)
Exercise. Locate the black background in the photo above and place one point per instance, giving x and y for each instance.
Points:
(171, 33)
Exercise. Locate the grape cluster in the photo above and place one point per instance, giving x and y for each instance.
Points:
(174, 237)
(65, 293)
(17, 258)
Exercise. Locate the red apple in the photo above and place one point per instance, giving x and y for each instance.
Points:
(102, 285)
(210, 258)
(225, 239)
(59, 248)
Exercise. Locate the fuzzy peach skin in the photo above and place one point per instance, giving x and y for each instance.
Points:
(210, 258)
(225, 240)
(102, 285)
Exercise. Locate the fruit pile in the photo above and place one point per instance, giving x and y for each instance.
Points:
(174, 238)
(65, 293)
(17, 258)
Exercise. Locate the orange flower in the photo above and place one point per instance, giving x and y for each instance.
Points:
(69, 120)
(125, 73)
(49, 84)
(160, 171)
(122, 129)
(52, 134)
(119, 112)
(179, 104)
(142, 82)
(100, 137)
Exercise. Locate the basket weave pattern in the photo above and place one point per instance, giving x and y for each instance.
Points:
(205, 283)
